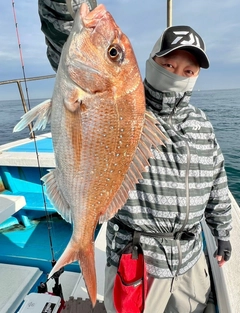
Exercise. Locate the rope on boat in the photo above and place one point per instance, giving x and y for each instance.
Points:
(33, 134)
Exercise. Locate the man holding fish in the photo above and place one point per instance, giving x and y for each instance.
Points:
(184, 181)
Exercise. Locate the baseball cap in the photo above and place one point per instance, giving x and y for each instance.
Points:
(181, 37)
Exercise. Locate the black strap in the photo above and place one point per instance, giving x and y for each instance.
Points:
(136, 245)
(182, 235)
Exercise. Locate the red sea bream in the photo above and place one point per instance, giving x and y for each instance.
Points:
(102, 134)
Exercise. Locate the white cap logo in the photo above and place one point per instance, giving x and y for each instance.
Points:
(192, 39)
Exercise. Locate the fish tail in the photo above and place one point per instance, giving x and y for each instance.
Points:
(69, 255)
(85, 257)
(87, 264)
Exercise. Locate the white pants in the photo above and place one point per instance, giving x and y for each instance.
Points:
(187, 293)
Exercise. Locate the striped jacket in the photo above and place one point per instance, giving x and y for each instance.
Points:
(187, 174)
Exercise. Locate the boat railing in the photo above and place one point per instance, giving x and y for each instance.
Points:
(19, 82)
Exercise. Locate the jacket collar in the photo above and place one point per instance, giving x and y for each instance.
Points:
(165, 102)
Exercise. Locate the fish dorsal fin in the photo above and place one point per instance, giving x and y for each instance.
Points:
(42, 114)
(55, 196)
(151, 137)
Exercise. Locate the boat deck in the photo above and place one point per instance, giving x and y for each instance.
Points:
(16, 282)
(81, 305)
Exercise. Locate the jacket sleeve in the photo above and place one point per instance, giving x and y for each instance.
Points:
(218, 209)
(56, 24)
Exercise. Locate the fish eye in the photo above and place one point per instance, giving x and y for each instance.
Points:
(115, 53)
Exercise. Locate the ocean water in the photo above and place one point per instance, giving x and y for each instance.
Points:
(223, 109)
(221, 106)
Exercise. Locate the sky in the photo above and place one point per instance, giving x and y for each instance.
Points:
(216, 21)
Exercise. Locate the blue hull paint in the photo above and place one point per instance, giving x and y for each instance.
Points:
(30, 246)
(44, 145)
(24, 181)
(24, 238)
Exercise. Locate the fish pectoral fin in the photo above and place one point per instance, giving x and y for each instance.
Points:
(42, 114)
(55, 196)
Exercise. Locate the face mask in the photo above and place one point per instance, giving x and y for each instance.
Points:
(163, 80)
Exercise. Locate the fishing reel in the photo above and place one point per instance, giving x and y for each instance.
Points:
(57, 289)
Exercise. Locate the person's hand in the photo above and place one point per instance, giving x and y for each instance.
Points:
(223, 252)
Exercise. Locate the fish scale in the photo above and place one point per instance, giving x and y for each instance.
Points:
(102, 134)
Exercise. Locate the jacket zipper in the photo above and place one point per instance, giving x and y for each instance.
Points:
(187, 187)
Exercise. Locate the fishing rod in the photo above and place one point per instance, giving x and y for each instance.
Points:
(57, 289)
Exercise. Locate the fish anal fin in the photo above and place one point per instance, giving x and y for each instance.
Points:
(151, 137)
(55, 196)
(42, 114)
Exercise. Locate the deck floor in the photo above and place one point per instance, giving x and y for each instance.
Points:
(84, 306)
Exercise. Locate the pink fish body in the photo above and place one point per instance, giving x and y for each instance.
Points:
(102, 135)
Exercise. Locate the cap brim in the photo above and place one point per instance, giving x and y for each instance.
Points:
(199, 54)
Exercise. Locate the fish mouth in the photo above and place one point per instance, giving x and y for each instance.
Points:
(79, 66)
(85, 17)
(88, 19)
(91, 19)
